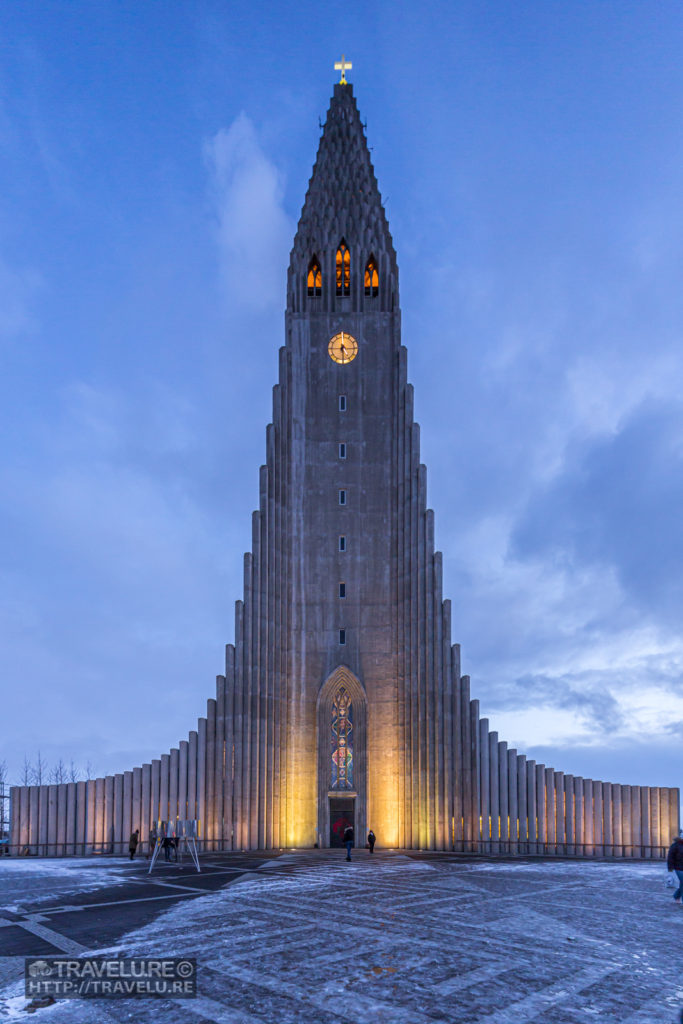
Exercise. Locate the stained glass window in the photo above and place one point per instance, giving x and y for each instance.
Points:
(342, 741)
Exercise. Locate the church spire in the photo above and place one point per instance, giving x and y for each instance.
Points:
(343, 214)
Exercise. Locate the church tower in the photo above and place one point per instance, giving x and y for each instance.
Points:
(342, 699)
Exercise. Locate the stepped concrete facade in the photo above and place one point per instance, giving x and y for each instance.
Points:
(342, 699)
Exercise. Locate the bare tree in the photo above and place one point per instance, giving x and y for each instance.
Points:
(73, 771)
(26, 777)
(88, 769)
(58, 774)
(39, 770)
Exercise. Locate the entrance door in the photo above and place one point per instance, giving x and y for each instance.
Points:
(342, 813)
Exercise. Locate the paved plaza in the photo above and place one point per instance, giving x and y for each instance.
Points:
(394, 938)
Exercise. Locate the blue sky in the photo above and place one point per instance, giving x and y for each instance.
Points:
(154, 162)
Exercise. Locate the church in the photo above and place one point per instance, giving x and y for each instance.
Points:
(342, 699)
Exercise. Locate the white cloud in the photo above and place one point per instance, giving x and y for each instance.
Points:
(254, 233)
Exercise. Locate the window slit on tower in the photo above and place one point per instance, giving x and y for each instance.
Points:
(342, 403)
(342, 497)
(342, 542)
(343, 269)
(371, 277)
(315, 277)
(342, 450)
(342, 590)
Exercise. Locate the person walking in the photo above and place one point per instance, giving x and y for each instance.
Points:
(348, 840)
(166, 844)
(133, 842)
(372, 839)
(674, 862)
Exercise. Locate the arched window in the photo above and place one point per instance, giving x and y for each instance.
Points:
(371, 277)
(343, 266)
(342, 741)
(315, 277)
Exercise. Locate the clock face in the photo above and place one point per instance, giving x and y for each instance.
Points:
(343, 348)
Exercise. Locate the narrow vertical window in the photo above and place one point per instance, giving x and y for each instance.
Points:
(343, 269)
(342, 590)
(342, 497)
(315, 277)
(342, 450)
(342, 543)
(371, 277)
(342, 740)
(342, 403)
(342, 636)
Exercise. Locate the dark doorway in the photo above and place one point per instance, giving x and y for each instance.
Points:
(342, 810)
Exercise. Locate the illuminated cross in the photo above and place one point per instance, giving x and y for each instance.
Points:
(343, 66)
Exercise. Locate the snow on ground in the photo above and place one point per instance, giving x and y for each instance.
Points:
(24, 881)
(398, 941)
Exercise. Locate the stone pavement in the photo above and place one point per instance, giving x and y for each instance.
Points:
(411, 939)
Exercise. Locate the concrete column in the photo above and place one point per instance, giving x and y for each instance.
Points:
(165, 782)
(655, 839)
(522, 804)
(589, 850)
(34, 817)
(560, 815)
(182, 780)
(24, 818)
(201, 779)
(513, 801)
(607, 830)
(42, 822)
(503, 797)
(495, 791)
(627, 821)
(90, 816)
(598, 819)
(541, 809)
(210, 775)
(550, 810)
(155, 808)
(146, 804)
(617, 822)
(109, 819)
(485, 786)
(61, 819)
(136, 802)
(569, 818)
(646, 835)
(637, 822)
(127, 809)
(473, 769)
(579, 830)
(228, 781)
(173, 784)
(674, 814)
(531, 806)
(15, 819)
(192, 775)
(119, 844)
(99, 815)
(70, 849)
(470, 740)
(458, 751)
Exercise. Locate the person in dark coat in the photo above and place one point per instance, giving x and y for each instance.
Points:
(372, 839)
(348, 840)
(166, 844)
(674, 862)
(133, 842)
